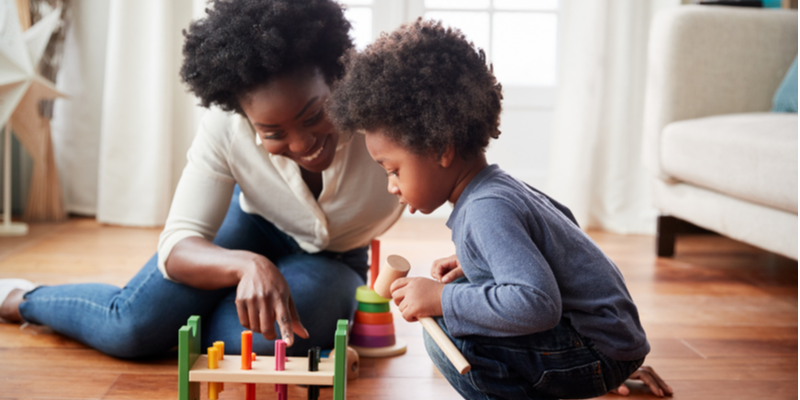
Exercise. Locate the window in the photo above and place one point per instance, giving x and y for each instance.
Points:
(518, 36)
(359, 13)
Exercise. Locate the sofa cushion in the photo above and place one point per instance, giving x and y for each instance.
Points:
(748, 156)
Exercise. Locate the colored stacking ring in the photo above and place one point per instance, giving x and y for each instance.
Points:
(371, 341)
(373, 318)
(366, 295)
(373, 308)
(373, 330)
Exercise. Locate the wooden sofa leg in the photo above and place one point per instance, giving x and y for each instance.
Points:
(667, 229)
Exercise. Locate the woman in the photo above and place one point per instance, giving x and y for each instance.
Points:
(302, 201)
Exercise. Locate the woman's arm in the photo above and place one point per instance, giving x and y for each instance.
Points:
(196, 262)
(262, 294)
(187, 255)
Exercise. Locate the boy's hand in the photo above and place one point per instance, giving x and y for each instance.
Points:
(417, 297)
(648, 375)
(447, 269)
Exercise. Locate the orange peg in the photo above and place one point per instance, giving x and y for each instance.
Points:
(247, 349)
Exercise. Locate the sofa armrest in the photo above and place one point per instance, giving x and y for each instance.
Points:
(712, 60)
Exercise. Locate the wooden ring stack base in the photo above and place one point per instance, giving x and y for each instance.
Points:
(372, 334)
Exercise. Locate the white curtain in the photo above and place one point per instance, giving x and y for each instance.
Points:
(122, 135)
(596, 159)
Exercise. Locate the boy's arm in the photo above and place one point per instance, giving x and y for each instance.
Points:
(524, 297)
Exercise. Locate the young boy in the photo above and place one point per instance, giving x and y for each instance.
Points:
(533, 304)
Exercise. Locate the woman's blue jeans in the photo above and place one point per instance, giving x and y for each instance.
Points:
(555, 364)
(142, 319)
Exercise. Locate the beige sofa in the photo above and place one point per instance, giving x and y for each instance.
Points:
(719, 159)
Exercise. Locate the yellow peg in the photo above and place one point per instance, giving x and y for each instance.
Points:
(213, 392)
(213, 358)
(221, 346)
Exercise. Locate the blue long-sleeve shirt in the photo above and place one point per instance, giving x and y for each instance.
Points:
(528, 264)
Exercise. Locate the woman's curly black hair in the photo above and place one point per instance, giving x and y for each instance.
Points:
(242, 44)
(425, 87)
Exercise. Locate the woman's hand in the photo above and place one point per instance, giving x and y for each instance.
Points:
(263, 297)
(446, 270)
(417, 297)
(262, 294)
(648, 375)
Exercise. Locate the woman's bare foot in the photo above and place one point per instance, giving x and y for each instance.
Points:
(9, 310)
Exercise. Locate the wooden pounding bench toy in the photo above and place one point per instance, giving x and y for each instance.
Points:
(216, 368)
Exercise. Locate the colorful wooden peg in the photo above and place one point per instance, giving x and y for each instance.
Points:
(221, 346)
(313, 358)
(250, 391)
(213, 358)
(247, 349)
(213, 391)
(376, 262)
(313, 365)
(280, 365)
(213, 363)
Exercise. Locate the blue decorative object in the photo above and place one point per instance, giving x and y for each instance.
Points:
(772, 3)
(785, 99)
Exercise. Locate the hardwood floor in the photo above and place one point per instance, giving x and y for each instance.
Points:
(721, 318)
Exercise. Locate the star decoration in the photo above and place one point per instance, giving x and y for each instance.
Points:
(21, 87)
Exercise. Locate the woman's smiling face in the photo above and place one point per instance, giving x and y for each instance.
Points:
(288, 115)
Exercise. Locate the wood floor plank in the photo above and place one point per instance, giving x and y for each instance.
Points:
(86, 360)
(716, 390)
(716, 348)
(756, 371)
(49, 384)
(31, 337)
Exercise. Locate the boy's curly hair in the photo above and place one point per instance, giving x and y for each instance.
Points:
(425, 87)
(242, 44)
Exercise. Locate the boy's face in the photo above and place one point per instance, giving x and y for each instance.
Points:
(419, 181)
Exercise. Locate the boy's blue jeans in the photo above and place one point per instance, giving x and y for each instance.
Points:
(142, 319)
(555, 364)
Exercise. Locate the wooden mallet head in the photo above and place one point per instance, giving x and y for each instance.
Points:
(395, 267)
